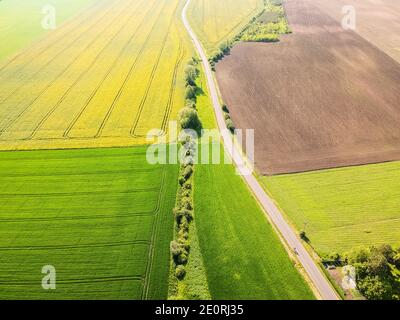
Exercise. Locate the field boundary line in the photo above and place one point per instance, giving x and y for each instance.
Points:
(154, 230)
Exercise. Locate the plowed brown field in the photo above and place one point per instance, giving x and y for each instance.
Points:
(322, 97)
(378, 21)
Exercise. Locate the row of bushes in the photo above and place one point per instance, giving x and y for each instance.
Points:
(228, 120)
(183, 211)
(188, 116)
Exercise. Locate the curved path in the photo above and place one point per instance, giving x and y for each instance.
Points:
(271, 210)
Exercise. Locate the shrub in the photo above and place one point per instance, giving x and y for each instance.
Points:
(186, 193)
(183, 215)
(190, 93)
(190, 104)
(227, 116)
(225, 108)
(225, 48)
(180, 272)
(191, 74)
(187, 173)
(179, 252)
(303, 236)
(181, 180)
(187, 185)
(187, 204)
(189, 119)
(230, 125)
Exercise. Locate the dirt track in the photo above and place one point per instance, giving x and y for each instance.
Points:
(321, 98)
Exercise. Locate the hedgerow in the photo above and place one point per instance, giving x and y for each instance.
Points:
(183, 212)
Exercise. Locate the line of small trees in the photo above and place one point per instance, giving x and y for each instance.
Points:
(188, 116)
(183, 211)
(228, 119)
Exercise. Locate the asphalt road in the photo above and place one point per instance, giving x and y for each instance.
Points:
(271, 210)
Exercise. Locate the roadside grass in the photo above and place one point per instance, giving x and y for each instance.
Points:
(342, 208)
(217, 21)
(21, 21)
(243, 256)
(101, 217)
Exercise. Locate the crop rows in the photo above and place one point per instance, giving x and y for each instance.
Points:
(104, 233)
(109, 81)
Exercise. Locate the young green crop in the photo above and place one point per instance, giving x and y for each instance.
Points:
(101, 217)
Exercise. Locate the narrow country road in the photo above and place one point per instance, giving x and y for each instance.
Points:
(315, 274)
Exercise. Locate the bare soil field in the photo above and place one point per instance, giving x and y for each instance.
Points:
(378, 21)
(320, 98)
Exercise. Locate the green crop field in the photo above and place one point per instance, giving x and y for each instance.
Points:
(243, 256)
(216, 21)
(101, 217)
(21, 21)
(342, 208)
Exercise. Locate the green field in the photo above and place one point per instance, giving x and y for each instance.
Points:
(342, 208)
(243, 256)
(216, 21)
(20, 22)
(101, 217)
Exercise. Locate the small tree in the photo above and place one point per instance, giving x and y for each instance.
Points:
(190, 93)
(191, 74)
(189, 119)
(180, 272)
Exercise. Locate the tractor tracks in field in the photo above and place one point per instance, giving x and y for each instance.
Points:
(66, 134)
(82, 74)
(129, 75)
(49, 85)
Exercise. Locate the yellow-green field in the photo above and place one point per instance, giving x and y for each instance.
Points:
(105, 78)
(21, 21)
(342, 208)
(215, 21)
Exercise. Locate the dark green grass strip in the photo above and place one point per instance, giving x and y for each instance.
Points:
(243, 256)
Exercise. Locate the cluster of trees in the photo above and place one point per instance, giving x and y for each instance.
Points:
(377, 271)
(266, 32)
(228, 120)
(188, 116)
(183, 211)
(224, 49)
(256, 31)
